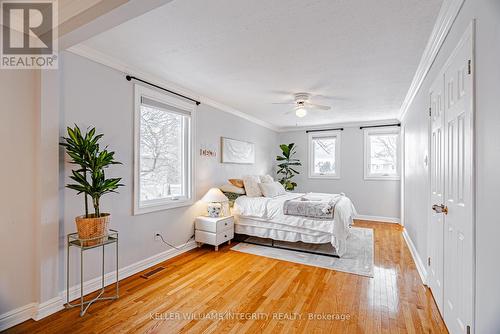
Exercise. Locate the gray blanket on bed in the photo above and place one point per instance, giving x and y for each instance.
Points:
(310, 207)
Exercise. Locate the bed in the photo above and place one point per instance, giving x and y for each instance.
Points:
(264, 217)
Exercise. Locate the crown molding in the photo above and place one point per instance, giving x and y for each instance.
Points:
(338, 125)
(103, 59)
(447, 15)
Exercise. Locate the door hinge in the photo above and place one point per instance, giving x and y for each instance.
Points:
(429, 261)
(430, 112)
(470, 66)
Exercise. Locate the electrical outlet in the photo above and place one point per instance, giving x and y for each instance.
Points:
(156, 236)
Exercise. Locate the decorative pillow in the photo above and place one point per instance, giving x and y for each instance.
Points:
(266, 179)
(237, 183)
(272, 189)
(229, 188)
(251, 183)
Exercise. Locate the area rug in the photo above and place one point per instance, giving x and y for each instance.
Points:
(357, 260)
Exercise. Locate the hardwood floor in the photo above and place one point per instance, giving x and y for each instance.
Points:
(232, 284)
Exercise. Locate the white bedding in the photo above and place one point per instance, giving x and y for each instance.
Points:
(271, 210)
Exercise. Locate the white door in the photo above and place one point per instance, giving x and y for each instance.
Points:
(459, 199)
(451, 230)
(436, 229)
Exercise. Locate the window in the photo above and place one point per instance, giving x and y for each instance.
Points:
(163, 151)
(324, 154)
(382, 154)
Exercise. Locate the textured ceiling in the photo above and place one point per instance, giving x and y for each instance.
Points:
(358, 56)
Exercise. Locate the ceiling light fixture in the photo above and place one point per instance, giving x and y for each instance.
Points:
(301, 112)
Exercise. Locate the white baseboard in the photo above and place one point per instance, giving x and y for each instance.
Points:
(422, 271)
(109, 278)
(38, 311)
(382, 219)
(16, 316)
(47, 308)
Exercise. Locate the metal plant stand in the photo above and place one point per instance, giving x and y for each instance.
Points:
(83, 245)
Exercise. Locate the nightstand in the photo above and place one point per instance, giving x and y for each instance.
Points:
(214, 231)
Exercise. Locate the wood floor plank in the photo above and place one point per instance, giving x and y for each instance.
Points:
(203, 291)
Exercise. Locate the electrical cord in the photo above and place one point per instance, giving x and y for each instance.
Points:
(178, 248)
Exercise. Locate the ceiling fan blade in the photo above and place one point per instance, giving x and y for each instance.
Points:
(317, 106)
(288, 103)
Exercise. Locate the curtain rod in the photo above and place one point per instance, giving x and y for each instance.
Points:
(337, 129)
(129, 78)
(378, 126)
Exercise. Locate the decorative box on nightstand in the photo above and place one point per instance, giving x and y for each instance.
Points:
(214, 231)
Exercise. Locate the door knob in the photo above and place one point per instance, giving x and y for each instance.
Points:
(440, 208)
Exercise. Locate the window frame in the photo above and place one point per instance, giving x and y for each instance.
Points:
(338, 140)
(367, 154)
(188, 151)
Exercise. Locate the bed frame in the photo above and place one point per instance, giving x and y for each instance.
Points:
(244, 238)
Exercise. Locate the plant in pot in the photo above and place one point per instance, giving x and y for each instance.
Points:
(286, 166)
(90, 180)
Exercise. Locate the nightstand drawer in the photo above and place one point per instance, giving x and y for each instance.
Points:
(214, 225)
(213, 238)
(225, 236)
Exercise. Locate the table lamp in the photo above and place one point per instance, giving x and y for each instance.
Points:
(214, 197)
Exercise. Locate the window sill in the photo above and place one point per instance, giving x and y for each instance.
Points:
(382, 178)
(162, 206)
(328, 177)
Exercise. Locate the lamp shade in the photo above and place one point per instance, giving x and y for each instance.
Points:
(214, 195)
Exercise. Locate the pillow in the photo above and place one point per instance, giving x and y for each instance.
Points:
(266, 179)
(229, 188)
(237, 183)
(272, 189)
(251, 183)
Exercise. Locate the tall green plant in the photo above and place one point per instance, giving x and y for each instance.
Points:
(90, 177)
(80, 148)
(286, 166)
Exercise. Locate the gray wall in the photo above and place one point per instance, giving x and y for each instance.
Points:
(487, 118)
(97, 95)
(18, 118)
(371, 197)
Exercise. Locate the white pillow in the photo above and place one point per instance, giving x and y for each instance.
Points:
(230, 188)
(266, 179)
(272, 189)
(251, 183)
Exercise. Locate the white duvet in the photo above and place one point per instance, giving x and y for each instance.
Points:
(271, 209)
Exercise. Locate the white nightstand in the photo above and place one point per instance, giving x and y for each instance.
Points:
(214, 231)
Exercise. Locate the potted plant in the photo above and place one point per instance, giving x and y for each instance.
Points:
(90, 179)
(287, 165)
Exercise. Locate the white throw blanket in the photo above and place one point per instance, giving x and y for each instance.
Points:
(271, 209)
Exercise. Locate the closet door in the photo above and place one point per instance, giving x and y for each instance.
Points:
(459, 199)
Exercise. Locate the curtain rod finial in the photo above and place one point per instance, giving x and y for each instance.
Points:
(128, 77)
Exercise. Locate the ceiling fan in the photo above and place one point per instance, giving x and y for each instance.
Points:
(302, 104)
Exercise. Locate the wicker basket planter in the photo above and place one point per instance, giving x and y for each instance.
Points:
(94, 228)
